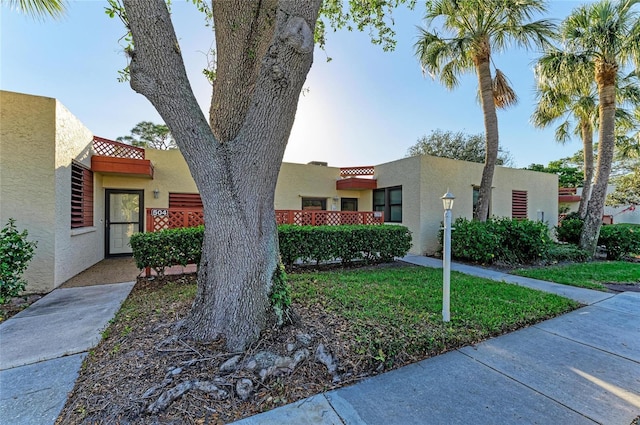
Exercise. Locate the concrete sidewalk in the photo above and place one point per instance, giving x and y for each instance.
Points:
(579, 368)
(42, 348)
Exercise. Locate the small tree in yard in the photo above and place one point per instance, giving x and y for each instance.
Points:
(15, 253)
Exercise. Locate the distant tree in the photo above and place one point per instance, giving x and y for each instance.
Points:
(567, 176)
(458, 145)
(462, 36)
(149, 135)
(627, 190)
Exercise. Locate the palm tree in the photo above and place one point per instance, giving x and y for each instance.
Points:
(562, 97)
(581, 106)
(39, 8)
(600, 39)
(472, 31)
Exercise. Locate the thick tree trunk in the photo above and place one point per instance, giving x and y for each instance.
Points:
(587, 145)
(491, 133)
(606, 80)
(264, 52)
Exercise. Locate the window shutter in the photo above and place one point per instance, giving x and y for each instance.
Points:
(185, 200)
(81, 196)
(519, 204)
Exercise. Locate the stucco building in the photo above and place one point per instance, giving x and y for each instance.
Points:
(82, 196)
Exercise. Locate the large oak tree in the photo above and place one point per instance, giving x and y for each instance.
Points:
(264, 50)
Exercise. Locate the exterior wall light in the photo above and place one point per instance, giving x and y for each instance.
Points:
(156, 193)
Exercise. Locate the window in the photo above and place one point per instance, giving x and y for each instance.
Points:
(389, 200)
(185, 200)
(349, 204)
(519, 204)
(314, 204)
(81, 196)
(476, 195)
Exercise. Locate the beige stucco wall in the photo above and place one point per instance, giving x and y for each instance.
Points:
(297, 181)
(27, 178)
(171, 174)
(425, 179)
(75, 249)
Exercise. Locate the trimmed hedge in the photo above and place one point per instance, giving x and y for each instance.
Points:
(344, 243)
(507, 240)
(166, 248)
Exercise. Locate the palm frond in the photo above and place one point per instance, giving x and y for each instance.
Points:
(503, 95)
(39, 8)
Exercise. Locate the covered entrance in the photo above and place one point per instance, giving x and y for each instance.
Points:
(124, 217)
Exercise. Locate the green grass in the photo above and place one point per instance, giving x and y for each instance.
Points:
(395, 313)
(586, 275)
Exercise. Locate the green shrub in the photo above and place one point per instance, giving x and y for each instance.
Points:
(15, 253)
(183, 246)
(620, 240)
(521, 241)
(561, 253)
(499, 239)
(344, 243)
(569, 229)
(166, 248)
(472, 241)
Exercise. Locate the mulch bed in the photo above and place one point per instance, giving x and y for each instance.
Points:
(139, 362)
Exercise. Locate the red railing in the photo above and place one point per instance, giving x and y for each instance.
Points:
(171, 218)
(328, 218)
(357, 171)
(106, 147)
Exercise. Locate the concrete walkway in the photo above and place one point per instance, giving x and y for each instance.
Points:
(579, 368)
(42, 348)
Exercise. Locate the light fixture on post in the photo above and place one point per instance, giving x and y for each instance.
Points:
(447, 203)
(156, 193)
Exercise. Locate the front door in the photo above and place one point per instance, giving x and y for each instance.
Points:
(124, 214)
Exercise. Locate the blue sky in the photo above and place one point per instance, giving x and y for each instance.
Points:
(365, 107)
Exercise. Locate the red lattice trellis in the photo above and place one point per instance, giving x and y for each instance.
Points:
(328, 218)
(172, 218)
(106, 147)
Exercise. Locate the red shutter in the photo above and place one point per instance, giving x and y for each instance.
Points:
(519, 204)
(81, 196)
(185, 200)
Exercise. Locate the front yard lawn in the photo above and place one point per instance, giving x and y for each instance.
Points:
(591, 275)
(368, 321)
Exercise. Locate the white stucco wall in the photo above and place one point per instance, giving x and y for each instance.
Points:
(75, 249)
(27, 178)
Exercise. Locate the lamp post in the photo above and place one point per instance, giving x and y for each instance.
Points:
(447, 202)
